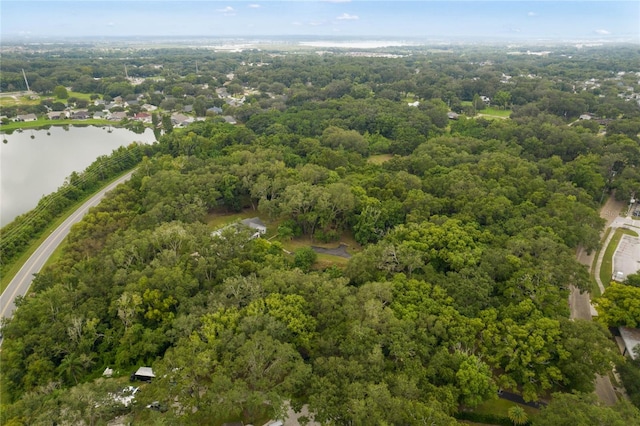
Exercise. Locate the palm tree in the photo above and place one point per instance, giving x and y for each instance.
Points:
(517, 415)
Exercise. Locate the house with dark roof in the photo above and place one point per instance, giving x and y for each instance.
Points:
(214, 110)
(80, 115)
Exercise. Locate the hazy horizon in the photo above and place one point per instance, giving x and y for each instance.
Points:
(518, 21)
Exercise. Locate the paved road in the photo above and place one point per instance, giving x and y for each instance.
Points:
(21, 282)
(580, 304)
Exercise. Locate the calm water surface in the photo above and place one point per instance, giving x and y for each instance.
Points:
(33, 167)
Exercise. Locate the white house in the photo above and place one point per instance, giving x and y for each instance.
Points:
(253, 223)
(26, 117)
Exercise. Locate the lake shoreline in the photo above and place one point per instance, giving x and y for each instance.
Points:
(35, 163)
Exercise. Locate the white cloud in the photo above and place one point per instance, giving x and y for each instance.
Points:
(254, 6)
(603, 32)
(227, 11)
(347, 17)
(297, 23)
(532, 14)
(111, 24)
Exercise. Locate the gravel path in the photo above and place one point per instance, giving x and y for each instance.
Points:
(341, 250)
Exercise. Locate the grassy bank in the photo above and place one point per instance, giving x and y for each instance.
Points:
(44, 123)
(14, 267)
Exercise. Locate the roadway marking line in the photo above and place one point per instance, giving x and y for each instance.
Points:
(64, 228)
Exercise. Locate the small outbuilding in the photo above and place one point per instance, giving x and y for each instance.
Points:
(144, 374)
(256, 224)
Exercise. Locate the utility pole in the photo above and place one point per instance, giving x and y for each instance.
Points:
(25, 80)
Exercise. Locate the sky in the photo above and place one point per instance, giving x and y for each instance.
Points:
(508, 20)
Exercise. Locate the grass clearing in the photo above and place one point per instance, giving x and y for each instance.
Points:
(217, 220)
(9, 101)
(78, 95)
(504, 113)
(379, 159)
(606, 268)
(501, 407)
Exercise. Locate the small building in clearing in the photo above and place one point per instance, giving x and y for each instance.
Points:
(253, 223)
(144, 374)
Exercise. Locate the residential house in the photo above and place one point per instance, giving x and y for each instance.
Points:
(100, 115)
(414, 104)
(214, 110)
(117, 116)
(145, 117)
(181, 120)
(452, 115)
(149, 107)
(57, 115)
(257, 225)
(254, 223)
(229, 119)
(26, 117)
(187, 108)
(80, 115)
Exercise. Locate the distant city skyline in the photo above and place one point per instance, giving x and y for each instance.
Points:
(505, 20)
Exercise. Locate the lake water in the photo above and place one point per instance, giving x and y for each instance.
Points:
(33, 167)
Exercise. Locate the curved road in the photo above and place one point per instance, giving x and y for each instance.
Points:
(580, 303)
(21, 282)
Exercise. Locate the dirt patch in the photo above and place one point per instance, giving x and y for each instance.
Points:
(611, 209)
(341, 250)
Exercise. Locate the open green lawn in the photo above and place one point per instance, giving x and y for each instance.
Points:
(379, 159)
(11, 100)
(43, 123)
(500, 407)
(504, 113)
(218, 220)
(79, 95)
(7, 101)
(606, 268)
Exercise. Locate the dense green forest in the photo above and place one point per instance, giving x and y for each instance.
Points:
(462, 233)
